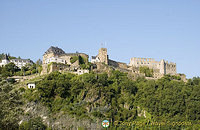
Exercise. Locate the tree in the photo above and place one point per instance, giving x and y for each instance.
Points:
(39, 62)
(33, 124)
(147, 71)
(9, 69)
(10, 103)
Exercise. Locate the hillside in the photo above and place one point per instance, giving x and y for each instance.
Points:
(64, 100)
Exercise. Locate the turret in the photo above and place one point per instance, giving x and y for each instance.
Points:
(103, 56)
(162, 67)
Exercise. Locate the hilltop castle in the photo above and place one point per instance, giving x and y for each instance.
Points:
(160, 68)
(71, 62)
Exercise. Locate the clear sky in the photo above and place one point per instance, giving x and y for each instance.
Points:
(160, 29)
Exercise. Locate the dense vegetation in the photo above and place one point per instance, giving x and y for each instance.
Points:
(83, 62)
(111, 96)
(115, 97)
(147, 71)
(12, 70)
(9, 106)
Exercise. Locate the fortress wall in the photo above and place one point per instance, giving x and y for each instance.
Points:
(113, 63)
(122, 65)
(170, 68)
(66, 58)
(149, 62)
(117, 64)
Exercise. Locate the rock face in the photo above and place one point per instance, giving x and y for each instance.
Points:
(57, 121)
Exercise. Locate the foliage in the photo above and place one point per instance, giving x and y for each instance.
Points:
(33, 124)
(9, 57)
(73, 59)
(10, 102)
(147, 71)
(9, 70)
(110, 96)
(12, 70)
(116, 97)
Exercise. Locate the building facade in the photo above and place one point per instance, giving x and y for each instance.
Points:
(64, 61)
(163, 66)
(18, 62)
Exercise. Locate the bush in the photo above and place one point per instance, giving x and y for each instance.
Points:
(74, 59)
(147, 71)
(33, 124)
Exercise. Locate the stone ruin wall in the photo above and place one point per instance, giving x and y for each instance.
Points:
(160, 67)
(170, 68)
(150, 62)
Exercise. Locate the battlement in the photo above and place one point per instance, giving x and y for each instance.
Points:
(165, 67)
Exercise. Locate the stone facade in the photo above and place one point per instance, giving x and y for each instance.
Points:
(62, 60)
(163, 66)
(101, 57)
(160, 68)
(101, 62)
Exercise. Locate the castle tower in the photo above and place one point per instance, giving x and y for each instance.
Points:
(162, 67)
(103, 56)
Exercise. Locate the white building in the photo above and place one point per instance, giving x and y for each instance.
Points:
(4, 61)
(54, 59)
(95, 59)
(31, 85)
(21, 62)
(82, 71)
(18, 62)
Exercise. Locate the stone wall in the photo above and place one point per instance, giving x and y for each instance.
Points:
(59, 55)
(163, 66)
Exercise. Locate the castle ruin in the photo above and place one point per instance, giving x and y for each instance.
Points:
(160, 68)
(163, 66)
(55, 59)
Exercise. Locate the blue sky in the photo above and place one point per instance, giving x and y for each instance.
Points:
(160, 29)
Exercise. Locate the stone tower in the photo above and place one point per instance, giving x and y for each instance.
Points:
(162, 67)
(103, 56)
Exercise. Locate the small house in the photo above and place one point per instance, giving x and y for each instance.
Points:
(31, 85)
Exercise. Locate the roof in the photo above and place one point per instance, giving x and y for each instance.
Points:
(94, 57)
(59, 51)
(22, 60)
(75, 54)
(55, 50)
